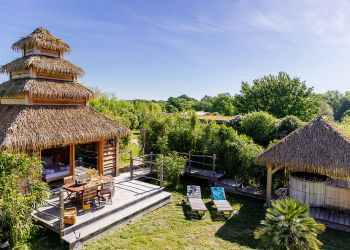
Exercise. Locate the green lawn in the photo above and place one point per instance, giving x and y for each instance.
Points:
(170, 227)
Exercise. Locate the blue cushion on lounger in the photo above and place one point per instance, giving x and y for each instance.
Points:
(217, 193)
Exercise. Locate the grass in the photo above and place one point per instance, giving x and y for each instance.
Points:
(134, 147)
(171, 227)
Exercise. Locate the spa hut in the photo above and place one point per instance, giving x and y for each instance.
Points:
(45, 111)
(317, 156)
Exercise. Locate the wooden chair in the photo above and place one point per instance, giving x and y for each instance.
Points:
(194, 197)
(223, 207)
(89, 196)
(106, 193)
(68, 180)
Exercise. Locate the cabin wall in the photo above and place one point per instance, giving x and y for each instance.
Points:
(45, 75)
(15, 100)
(41, 51)
(57, 101)
(109, 158)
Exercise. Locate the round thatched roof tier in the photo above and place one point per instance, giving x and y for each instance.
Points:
(317, 147)
(24, 128)
(42, 63)
(44, 88)
(41, 38)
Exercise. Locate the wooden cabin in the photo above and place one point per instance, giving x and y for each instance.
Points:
(45, 111)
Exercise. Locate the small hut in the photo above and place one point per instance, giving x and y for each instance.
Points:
(45, 111)
(318, 158)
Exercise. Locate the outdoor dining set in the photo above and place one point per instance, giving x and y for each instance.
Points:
(87, 193)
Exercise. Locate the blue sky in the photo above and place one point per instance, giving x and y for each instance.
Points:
(159, 48)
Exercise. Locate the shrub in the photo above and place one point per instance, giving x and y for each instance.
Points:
(287, 225)
(235, 152)
(173, 166)
(287, 125)
(345, 115)
(261, 126)
(21, 190)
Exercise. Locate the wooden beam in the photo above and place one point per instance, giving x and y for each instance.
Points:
(276, 169)
(117, 156)
(268, 186)
(100, 157)
(71, 158)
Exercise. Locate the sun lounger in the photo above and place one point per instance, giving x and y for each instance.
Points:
(195, 199)
(223, 207)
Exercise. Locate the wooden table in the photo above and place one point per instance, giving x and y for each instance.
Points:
(98, 181)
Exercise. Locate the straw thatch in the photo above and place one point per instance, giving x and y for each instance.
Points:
(317, 147)
(24, 128)
(42, 63)
(41, 38)
(44, 88)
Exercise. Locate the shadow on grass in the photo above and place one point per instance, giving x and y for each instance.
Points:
(240, 227)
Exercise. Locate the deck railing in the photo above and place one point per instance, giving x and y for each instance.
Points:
(149, 161)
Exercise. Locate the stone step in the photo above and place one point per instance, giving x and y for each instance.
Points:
(117, 219)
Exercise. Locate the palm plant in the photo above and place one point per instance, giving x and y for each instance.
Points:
(287, 225)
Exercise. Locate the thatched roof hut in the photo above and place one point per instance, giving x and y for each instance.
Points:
(43, 109)
(44, 88)
(42, 64)
(24, 128)
(41, 38)
(317, 147)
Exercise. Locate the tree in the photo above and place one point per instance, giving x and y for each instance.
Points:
(287, 225)
(287, 125)
(278, 95)
(223, 104)
(261, 126)
(173, 165)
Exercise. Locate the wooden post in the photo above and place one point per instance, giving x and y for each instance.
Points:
(100, 157)
(71, 158)
(161, 175)
(214, 167)
(189, 162)
(268, 186)
(117, 156)
(151, 160)
(131, 166)
(61, 199)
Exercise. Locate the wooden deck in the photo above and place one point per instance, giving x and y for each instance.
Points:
(203, 173)
(132, 199)
(331, 218)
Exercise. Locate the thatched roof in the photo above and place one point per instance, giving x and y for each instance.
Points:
(44, 88)
(41, 38)
(42, 64)
(317, 147)
(24, 128)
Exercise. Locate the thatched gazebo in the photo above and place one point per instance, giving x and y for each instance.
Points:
(320, 148)
(45, 111)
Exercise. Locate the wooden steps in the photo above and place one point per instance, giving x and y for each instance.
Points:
(117, 218)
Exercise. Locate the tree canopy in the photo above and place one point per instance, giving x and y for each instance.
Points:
(280, 96)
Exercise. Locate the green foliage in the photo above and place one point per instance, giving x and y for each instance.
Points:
(339, 102)
(261, 126)
(183, 133)
(235, 122)
(287, 125)
(21, 190)
(132, 114)
(346, 114)
(280, 96)
(287, 225)
(173, 167)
